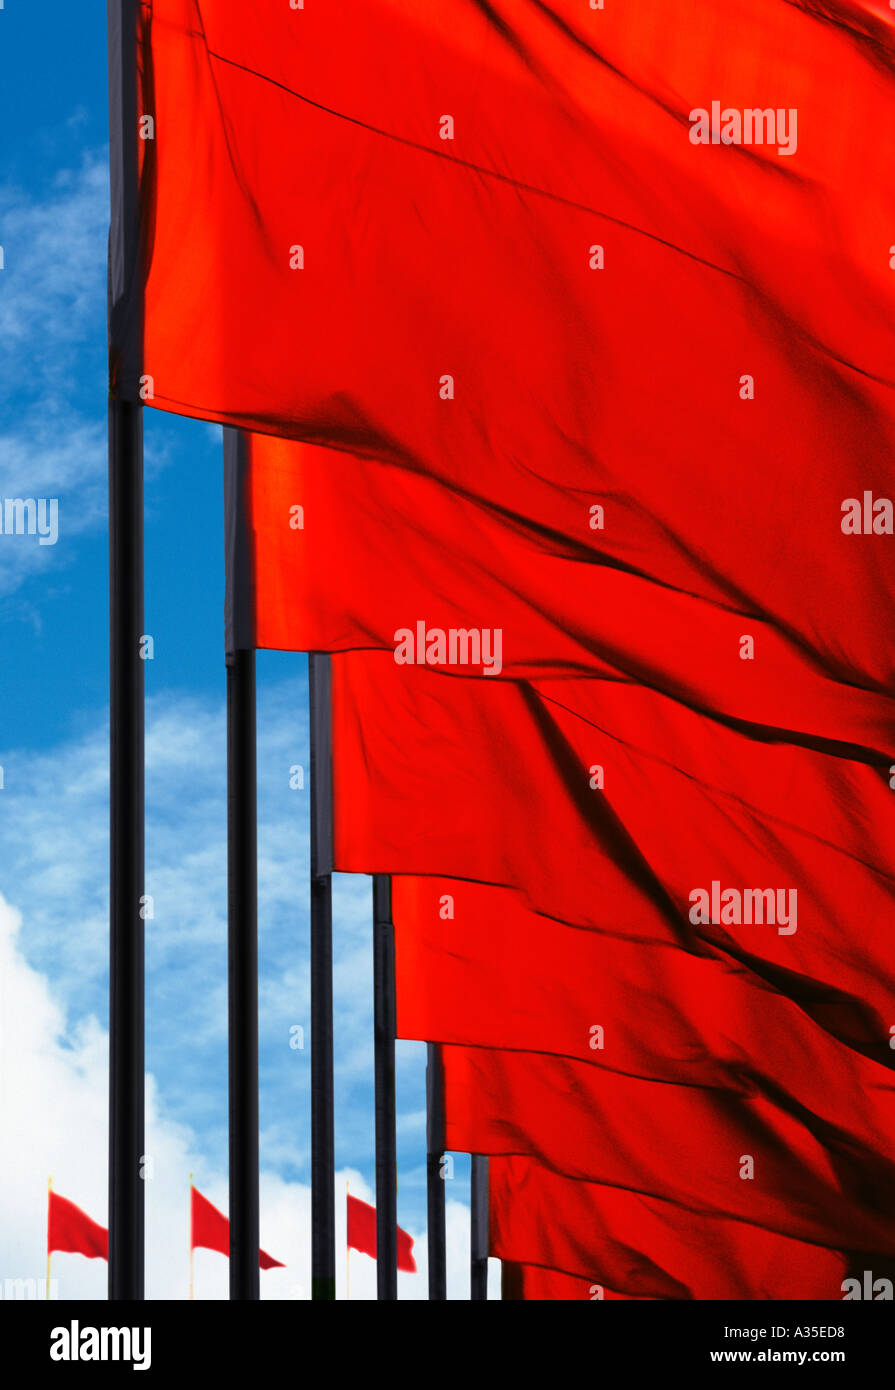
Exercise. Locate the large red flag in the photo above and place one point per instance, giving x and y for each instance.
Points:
(362, 1234)
(71, 1229)
(714, 497)
(265, 307)
(443, 561)
(474, 965)
(644, 1247)
(748, 1158)
(487, 780)
(210, 1229)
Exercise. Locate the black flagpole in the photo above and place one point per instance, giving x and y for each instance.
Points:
(126, 685)
(242, 881)
(323, 1163)
(435, 1194)
(384, 1029)
(478, 1270)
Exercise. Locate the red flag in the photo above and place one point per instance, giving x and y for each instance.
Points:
(580, 994)
(71, 1229)
(305, 341)
(210, 1229)
(695, 514)
(742, 1157)
(362, 1234)
(582, 612)
(490, 781)
(644, 1247)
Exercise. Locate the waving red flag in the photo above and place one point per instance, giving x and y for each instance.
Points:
(210, 1229)
(696, 478)
(745, 1158)
(495, 782)
(71, 1229)
(362, 1234)
(644, 1247)
(305, 342)
(576, 993)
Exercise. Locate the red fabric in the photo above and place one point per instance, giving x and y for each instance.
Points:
(533, 1283)
(484, 243)
(572, 387)
(210, 1229)
(490, 781)
(443, 559)
(682, 1143)
(71, 1229)
(496, 975)
(775, 266)
(644, 1247)
(362, 1234)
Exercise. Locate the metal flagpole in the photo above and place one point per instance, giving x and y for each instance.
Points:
(192, 1247)
(49, 1200)
(126, 684)
(384, 1029)
(323, 1165)
(347, 1246)
(435, 1193)
(478, 1271)
(242, 879)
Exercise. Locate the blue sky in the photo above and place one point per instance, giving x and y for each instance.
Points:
(53, 719)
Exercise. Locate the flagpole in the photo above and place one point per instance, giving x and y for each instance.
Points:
(435, 1191)
(384, 1029)
(242, 876)
(478, 1272)
(347, 1246)
(323, 1210)
(192, 1249)
(49, 1199)
(126, 683)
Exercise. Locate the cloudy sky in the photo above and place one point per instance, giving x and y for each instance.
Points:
(54, 759)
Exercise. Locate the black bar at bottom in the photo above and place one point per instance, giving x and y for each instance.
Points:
(384, 1028)
(435, 1193)
(127, 844)
(242, 963)
(478, 1265)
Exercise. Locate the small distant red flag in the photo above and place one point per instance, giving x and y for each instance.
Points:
(362, 1234)
(71, 1229)
(211, 1229)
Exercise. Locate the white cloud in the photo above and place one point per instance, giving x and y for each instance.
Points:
(53, 362)
(53, 1100)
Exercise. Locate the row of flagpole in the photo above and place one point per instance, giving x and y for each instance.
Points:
(127, 849)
